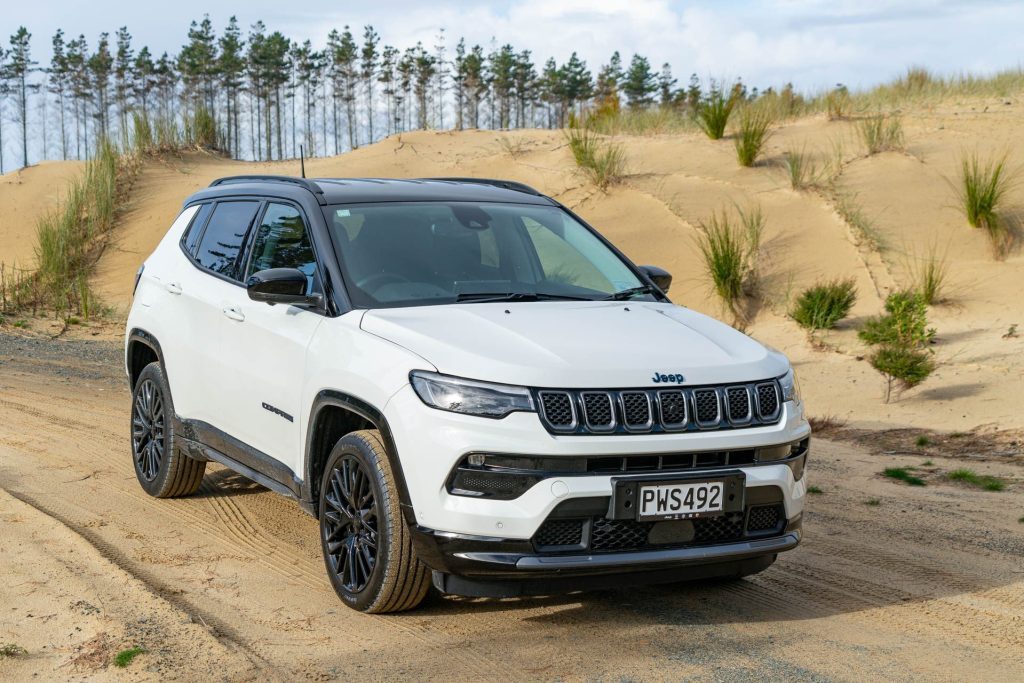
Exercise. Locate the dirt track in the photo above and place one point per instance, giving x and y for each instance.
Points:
(927, 584)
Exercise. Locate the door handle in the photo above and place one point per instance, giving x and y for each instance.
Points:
(233, 313)
(173, 288)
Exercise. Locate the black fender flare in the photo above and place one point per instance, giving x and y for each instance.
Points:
(141, 336)
(365, 410)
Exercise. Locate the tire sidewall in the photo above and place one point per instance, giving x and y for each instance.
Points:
(363, 600)
(161, 482)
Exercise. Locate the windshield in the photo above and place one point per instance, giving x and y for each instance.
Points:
(414, 254)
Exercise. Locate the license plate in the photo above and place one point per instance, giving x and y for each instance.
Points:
(681, 501)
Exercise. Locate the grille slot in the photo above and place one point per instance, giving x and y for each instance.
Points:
(636, 410)
(767, 401)
(609, 535)
(558, 409)
(556, 533)
(706, 407)
(738, 402)
(673, 409)
(598, 410)
(765, 518)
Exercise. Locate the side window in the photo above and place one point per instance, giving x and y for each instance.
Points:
(195, 228)
(282, 242)
(224, 235)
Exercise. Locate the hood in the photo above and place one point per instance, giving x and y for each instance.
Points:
(576, 345)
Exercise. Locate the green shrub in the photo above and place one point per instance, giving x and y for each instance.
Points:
(981, 191)
(903, 474)
(12, 650)
(713, 111)
(881, 133)
(126, 657)
(982, 481)
(929, 274)
(730, 253)
(802, 170)
(905, 323)
(820, 307)
(755, 129)
(604, 162)
(901, 336)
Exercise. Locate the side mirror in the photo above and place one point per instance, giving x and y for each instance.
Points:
(660, 277)
(281, 286)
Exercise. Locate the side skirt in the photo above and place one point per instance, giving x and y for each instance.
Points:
(203, 441)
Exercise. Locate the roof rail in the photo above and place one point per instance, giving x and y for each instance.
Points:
(301, 182)
(504, 184)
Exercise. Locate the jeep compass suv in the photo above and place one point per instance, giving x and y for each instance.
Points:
(465, 384)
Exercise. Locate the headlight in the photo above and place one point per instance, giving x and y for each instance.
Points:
(468, 396)
(790, 386)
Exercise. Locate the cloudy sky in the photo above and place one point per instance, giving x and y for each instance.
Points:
(813, 43)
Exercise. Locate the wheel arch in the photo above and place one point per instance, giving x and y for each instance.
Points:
(333, 415)
(142, 349)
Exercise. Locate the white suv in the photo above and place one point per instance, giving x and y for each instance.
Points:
(465, 383)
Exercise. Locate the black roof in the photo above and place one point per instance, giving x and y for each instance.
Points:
(369, 190)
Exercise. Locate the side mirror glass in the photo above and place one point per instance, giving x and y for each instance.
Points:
(660, 277)
(281, 286)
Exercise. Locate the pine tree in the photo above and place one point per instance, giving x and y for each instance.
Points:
(101, 63)
(58, 85)
(166, 82)
(425, 67)
(143, 79)
(387, 79)
(4, 92)
(17, 72)
(476, 83)
(81, 91)
(609, 78)
(230, 67)
(123, 75)
(524, 79)
(403, 96)
(640, 83)
(501, 66)
(575, 85)
(343, 51)
(197, 63)
(666, 85)
(368, 71)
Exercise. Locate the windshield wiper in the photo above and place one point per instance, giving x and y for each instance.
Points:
(486, 297)
(631, 292)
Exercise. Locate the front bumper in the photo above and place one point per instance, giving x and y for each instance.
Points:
(431, 442)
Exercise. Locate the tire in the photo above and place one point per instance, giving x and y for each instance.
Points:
(162, 469)
(366, 543)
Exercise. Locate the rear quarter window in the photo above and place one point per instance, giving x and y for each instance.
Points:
(195, 228)
(224, 237)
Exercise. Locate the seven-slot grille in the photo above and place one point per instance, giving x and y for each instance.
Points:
(659, 410)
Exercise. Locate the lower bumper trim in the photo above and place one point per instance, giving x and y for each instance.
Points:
(715, 553)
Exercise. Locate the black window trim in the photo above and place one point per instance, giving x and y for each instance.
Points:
(245, 239)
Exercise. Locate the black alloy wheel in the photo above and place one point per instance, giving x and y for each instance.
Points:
(148, 444)
(350, 526)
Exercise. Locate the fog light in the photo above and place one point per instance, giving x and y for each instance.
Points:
(475, 459)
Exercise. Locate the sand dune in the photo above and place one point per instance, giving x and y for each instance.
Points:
(675, 181)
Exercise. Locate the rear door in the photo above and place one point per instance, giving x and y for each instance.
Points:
(263, 347)
(205, 284)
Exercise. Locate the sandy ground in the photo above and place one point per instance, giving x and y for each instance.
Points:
(927, 584)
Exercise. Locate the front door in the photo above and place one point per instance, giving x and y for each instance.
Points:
(264, 346)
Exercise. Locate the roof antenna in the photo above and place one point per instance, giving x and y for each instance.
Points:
(302, 159)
